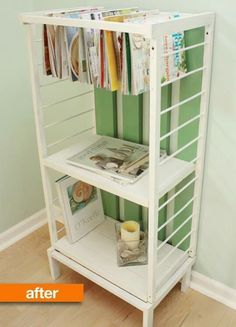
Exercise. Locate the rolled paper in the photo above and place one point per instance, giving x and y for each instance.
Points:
(130, 234)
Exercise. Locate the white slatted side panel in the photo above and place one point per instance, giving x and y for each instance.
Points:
(68, 108)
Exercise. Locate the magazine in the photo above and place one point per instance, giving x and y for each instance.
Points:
(62, 64)
(91, 45)
(112, 46)
(124, 65)
(81, 206)
(111, 60)
(114, 158)
(72, 39)
(77, 45)
(51, 48)
(172, 65)
(46, 59)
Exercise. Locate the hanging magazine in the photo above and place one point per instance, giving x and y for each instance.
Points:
(108, 59)
(172, 66)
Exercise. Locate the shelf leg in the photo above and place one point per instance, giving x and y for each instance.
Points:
(53, 265)
(148, 317)
(185, 283)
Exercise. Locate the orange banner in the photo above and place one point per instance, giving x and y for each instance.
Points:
(41, 292)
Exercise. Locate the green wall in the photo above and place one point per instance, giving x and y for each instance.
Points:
(20, 187)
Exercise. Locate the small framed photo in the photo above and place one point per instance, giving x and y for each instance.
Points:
(81, 206)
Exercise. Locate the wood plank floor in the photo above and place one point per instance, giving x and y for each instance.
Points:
(26, 261)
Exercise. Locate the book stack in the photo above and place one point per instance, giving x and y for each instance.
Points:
(106, 59)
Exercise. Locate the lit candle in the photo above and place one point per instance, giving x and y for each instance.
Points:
(130, 234)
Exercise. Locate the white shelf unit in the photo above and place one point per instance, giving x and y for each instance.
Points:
(94, 256)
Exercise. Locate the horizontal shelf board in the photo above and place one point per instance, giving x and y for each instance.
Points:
(148, 29)
(171, 173)
(142, 29)
(97, 252)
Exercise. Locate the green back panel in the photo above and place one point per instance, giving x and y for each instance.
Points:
(106, 124)
(189, 86)
(133, 131)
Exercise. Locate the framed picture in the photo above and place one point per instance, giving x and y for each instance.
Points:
(81, 206)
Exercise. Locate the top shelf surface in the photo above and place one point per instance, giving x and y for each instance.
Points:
(171, 173)
(148, 29)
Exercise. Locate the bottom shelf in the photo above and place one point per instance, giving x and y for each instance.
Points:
(97, 252)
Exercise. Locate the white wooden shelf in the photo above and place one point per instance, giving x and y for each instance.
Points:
(97, 252)
(94, 256)
(171, 173)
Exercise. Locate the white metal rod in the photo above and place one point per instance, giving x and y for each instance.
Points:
(177, 193)
(182, 102)
(181, 126)
(183, 49)
(68, 118)
(65, 100)
(69, 137)
(176, 231)
(180, 150)
(195, 159)
(183, 76)
(174, 248)
(177, 213)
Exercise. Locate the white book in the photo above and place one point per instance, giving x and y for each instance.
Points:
(81, 206)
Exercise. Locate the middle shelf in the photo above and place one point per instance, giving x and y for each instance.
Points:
(171, 173)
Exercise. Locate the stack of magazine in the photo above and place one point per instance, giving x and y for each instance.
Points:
(120, 160)
(111, 60)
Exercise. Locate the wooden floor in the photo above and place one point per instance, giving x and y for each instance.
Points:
(26, 261)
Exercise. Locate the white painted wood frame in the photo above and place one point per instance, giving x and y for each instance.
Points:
(147, 192)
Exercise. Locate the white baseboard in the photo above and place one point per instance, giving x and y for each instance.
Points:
(22, 229)
(215, 290)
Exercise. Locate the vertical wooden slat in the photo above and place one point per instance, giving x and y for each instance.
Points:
(106, 124)
(132, 131)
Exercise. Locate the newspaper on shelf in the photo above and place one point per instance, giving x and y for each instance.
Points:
(114, 158)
